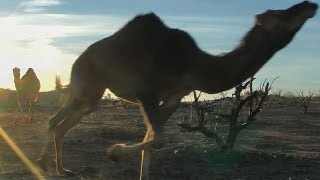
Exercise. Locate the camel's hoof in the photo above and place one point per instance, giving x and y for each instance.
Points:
(116, 152)
(65, 172)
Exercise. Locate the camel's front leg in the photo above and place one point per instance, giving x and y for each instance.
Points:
(18, 112)
(155, 116)
(151, 141)
(123, 151)
(146, 153)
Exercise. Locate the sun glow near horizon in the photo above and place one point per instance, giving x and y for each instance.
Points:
(45, 60)
(25, 46)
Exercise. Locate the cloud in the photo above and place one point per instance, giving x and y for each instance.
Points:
(33, 6)
(30, 27)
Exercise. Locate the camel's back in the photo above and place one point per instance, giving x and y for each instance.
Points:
(144, 54)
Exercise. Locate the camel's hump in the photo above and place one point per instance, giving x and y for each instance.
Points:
(151, 18)
(143, 23)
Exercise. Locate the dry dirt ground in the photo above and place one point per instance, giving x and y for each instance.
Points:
(282, 144)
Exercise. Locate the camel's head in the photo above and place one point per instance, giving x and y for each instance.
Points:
(282, 25)
(287, 20)
(16, 72)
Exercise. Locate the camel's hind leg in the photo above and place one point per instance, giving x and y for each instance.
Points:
(67, 118)
(155, 116)
(63, 114)
(87, 103)
(60, 132)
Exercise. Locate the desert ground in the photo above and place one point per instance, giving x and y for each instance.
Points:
(283, 143)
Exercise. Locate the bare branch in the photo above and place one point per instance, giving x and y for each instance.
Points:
(305, 99)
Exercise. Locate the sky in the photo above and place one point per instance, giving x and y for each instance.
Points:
(48, 35)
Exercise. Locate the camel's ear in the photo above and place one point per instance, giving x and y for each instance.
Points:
(261, 18)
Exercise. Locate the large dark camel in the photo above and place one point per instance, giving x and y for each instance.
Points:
(27, 91)
(153, 65)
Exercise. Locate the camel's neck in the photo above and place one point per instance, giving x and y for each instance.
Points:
(219, 73)
(17, 81)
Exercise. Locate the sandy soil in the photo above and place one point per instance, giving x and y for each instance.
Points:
(282, 144)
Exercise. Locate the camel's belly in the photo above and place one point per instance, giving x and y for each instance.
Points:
(125, 94)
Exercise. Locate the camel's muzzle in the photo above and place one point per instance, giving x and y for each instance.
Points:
(306, 8)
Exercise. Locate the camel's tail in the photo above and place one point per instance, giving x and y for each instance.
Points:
(59, 87)
(63, 92)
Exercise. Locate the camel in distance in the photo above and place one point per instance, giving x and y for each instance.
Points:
(27, 88)
(148, 63)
